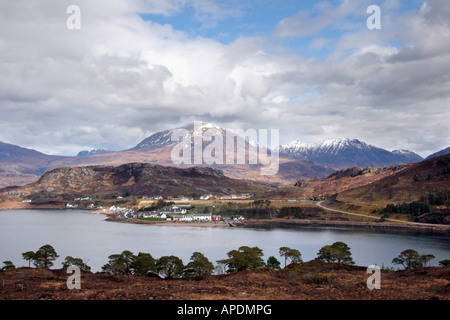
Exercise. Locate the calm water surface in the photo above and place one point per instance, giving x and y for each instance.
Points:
(82, 234)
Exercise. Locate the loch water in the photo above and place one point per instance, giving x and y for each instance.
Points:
(82, 234)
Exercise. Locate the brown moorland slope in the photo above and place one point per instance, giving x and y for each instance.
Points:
(314, 280)
(339, 181)
(408, 185)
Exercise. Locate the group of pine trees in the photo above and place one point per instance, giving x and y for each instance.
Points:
(244, 258)
(427, 204)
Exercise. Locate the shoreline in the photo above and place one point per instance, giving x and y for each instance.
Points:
(113, 218)
(260, 223)
(298, 223)
(293, 224)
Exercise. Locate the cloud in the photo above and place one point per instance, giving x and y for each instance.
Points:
(120, 78)
(210, 12)
(322, 15)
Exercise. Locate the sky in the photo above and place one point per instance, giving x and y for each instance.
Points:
(312, 69)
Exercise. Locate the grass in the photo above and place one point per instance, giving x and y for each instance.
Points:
(152, 219)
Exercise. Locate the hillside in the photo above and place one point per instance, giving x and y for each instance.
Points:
(439, 153)
(313, 280)
(135, 179)
(19, 165)
(408, 185)
(336, 182)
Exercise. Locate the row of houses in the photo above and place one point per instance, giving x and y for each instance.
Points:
(195, 217)
(202, 217)
(127, 213)
(75, 205)
(178, 208)
(176, 212)
(180, 212)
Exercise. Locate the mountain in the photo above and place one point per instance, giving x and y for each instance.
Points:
(92, 152)
(412, 183)
(158, 140)
(10, 153)
(406, 156)
(297, 160)
(135, 179)
(158, 149)
(439, 153)
(244, 148)
(196, 130)
(341, 153)
(20, 165)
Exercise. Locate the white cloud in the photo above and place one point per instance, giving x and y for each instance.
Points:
(120, 78)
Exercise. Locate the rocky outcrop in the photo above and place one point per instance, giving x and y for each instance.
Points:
(134, 179)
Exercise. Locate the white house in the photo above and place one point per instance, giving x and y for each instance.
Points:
(182, 217)
(201, 217)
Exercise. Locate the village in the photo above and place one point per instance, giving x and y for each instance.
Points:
(178, 208)
(214, 210)
(181, 211)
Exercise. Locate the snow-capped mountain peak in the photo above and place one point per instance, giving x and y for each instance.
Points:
(402, 151)
(297, 144)
(196, 129)
(337, 142)
(200, 129)
(344, 153)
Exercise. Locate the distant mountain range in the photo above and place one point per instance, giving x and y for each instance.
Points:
(341, 153)
(20, 166)
(92, 152)
(439, 153)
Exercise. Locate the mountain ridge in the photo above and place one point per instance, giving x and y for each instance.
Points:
(20, 166)
(439, 153)
(341, 153)
(85, 153)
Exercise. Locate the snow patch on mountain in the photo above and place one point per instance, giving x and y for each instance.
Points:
(344, 153)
